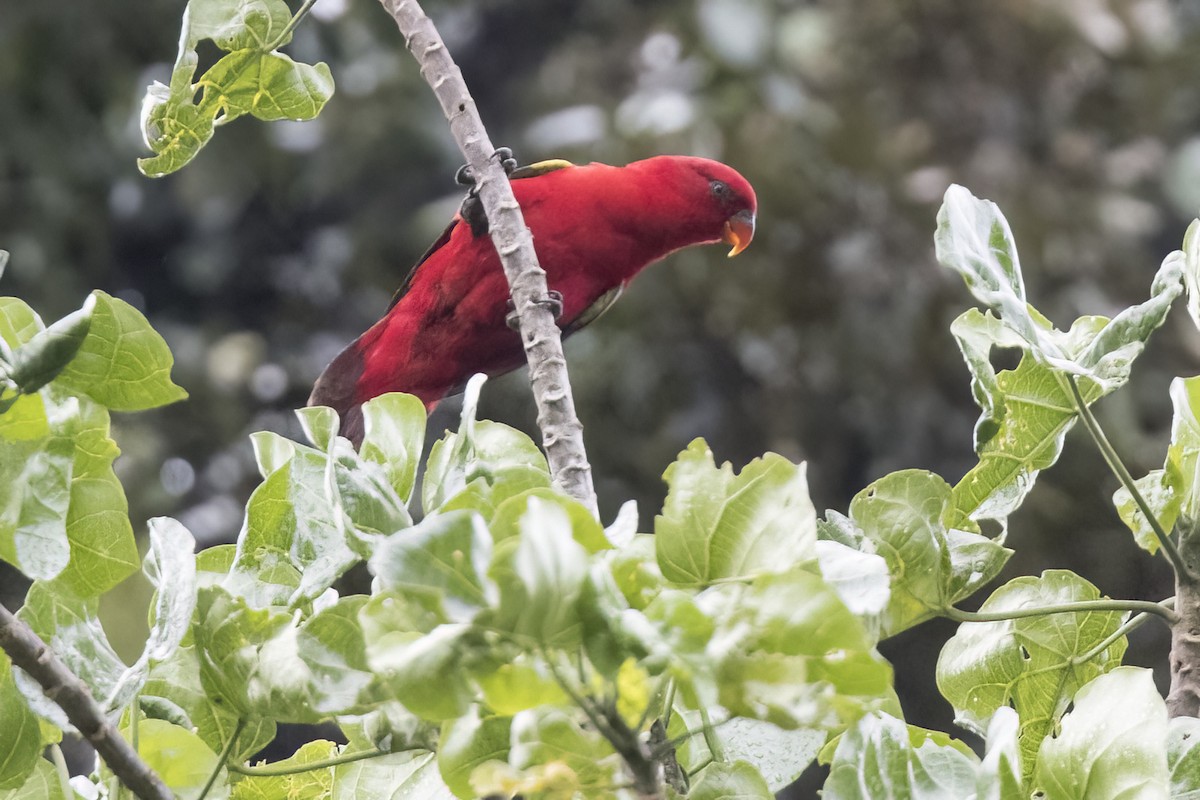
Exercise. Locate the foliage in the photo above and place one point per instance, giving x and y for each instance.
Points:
(512, 645)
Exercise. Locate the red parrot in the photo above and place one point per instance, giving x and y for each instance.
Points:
(594, 228)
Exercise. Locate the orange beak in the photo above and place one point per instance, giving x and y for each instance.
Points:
(738, 231)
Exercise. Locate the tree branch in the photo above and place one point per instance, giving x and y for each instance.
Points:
(562, 433)
(62, 686)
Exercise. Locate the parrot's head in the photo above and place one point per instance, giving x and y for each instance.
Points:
(712, 202)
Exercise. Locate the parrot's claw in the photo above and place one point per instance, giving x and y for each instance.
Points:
(553, 301)
(466, 176)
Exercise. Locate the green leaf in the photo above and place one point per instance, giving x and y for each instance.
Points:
(39, 360)
(736, 780)
(788, 651)
(860, 579)
(293, 513)
(973, 239)
(778, 755)
(174, 687)
(1191, 269)
(309, 784)
(550, 736)
(265, 665)
(467, 742)
(270, 86)
(425, 672)
(1112, 745)
(1183, 756)
(883, 757)
(1157, 489)
(1026, 415)
(524, 683)
(271, 451)
(180, 758)
(635, 571)
(541, 580)
(103, 548)
(934, 554)
(445, 557)
(123, 363)
(253, 78)
(20, 739)
(35, 471)
(42, 783)
(393, 436)
(411, 775)
(1000, 772)
(718, 525)
(171, 567)
(70, 625)
(1029, 663)
(1182, 467)
(18, 322)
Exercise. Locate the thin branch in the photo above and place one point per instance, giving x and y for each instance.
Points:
(272, 770)
(710, 736)
(63, 687)
(1128, 627)
(562, 433)
(225, 751)
(291, 26)
(1123, 475)
(1080, 607)
(63, 771)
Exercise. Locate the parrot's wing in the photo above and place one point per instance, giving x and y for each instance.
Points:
(590, 314)
(474, 216)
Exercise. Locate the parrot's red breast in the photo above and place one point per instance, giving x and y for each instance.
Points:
(594, 228)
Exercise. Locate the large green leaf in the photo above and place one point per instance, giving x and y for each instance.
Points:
(1112, 745)
(266, 665)
(883, 757)
(35, 472)
(482, 464)
(393, 435)
(718, 525)
(412, 775)
(303, 784)
(181, 759)
(20, 740)
(542, 578)
(468, 742)
(70, 625)
(787, 650)
(44, 356)
(1183, 757)
(1027, 411)
(445, 557)
(43, 783)
(252, 78)
(173, 691)
(123, 363)
(733, 780)
(935, 555)
(1032, 663)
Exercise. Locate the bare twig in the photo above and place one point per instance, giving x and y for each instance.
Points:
(31, 654)
(562, 433)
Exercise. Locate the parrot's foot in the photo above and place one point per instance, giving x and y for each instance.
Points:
(466, 176)
(553, 301)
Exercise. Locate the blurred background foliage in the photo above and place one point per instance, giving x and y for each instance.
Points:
(827, 340)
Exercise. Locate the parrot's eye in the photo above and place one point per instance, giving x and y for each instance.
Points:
(721, 190)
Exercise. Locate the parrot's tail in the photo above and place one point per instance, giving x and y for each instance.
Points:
(337, 387)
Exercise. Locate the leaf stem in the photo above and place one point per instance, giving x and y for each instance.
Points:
(291, 26)
(1123, 475)
(1079, 607)
(1125, 629)
(296, 769)
(225, 751)
(710, 736)
(64, 772)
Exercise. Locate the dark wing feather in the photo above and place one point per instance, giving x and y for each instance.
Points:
(529, 171)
